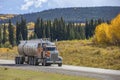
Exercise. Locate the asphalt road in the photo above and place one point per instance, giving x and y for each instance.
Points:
(100, 74)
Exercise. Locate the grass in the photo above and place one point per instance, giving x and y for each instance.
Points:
(15, 74)
(82, 53)
(6, 53)
(85, 53)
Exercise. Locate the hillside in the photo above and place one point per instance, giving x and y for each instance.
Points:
(6, 16)
(78, 14)
(86, 53)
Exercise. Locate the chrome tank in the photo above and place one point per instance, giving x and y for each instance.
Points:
(30, 47)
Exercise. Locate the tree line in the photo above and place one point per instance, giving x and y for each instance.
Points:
(56, 29)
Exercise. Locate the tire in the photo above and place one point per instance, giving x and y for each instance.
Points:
(60, 64)
(22, 60)
(29, 60)
(35, 60)
(16, 60)
(48, 64)
(44, 63)
(32, 61)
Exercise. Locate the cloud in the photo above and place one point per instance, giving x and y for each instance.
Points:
(35, 3)
(82, 3)
(48, 4)
(70, 3)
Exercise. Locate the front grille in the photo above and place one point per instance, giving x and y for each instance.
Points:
(54, 57)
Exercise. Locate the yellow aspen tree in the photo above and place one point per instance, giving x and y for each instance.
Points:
(108, 33)
(115, 29)
(101, 33)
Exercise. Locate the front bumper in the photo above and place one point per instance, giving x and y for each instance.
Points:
(53, 62)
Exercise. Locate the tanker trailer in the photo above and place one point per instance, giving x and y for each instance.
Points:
(34, 52)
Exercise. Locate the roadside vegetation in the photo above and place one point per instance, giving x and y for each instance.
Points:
(10, 74)
(8, 53)
(86, 53)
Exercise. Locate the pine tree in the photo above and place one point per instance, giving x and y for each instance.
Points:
(44, 32)
(55, 30)
(37, 28)
(11, 33)
(24, 31)
(87, 29)
(48, 29)
(4, 34)
(1, 36)
(35, 36)
(18, 30)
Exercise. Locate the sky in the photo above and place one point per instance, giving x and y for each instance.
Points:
(29, 6)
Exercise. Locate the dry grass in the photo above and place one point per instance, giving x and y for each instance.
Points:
(6, 53)
(85, 53)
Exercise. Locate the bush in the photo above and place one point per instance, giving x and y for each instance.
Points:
(8, 45)
(1, 46)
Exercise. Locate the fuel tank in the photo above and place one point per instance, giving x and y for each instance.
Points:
(32, 47)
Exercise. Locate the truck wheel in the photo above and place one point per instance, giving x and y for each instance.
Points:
(22, 60)
(29, 60)
(35, 60)
(16, 60)
(44, 63)
(32, 61)
(60, 64)
(48, 64)
(19, 60)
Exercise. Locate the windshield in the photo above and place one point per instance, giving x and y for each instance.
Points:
(51, 48)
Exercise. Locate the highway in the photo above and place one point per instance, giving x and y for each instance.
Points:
(100, 74)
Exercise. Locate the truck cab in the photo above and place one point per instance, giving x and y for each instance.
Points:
(52, 56)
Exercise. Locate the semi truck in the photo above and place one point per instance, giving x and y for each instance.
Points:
(39, 51)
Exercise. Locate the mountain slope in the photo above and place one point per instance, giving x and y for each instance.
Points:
(79, 14)
(6, 16)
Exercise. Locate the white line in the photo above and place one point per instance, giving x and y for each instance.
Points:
(89, 69)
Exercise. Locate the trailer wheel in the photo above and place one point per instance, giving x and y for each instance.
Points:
(29, 60)
(22, 60)
(16, 60)
(32, 61)
(60, 64)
